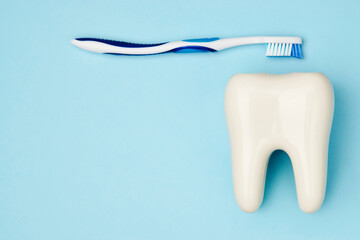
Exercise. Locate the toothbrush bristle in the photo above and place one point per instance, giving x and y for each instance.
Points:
(284, 49)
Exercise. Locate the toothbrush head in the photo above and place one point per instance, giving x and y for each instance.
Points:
(284, 49)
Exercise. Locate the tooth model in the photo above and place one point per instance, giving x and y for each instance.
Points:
(292, 112)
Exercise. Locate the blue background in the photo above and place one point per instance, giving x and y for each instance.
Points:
(113, 147)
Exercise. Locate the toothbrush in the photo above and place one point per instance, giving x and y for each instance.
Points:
(275, 46)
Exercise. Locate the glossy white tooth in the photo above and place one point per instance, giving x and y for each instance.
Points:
(292, 112)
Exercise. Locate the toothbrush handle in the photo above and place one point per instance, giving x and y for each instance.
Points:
(126, 48)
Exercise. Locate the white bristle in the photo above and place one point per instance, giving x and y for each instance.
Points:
(271, 48)
(276, 45)
(268, 49)
(275, 49)
(287, 49)
(282, 53)
(279, 49)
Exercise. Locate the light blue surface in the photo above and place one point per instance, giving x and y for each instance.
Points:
(114, 147)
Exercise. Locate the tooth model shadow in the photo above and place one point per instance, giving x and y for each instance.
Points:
(292, 112)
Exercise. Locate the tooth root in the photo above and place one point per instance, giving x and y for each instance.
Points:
(308, 145)
(249, 176)
(249, 184)
(310, 176)
(292, 112)
(249, 156)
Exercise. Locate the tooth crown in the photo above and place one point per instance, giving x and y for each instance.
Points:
(292, 112)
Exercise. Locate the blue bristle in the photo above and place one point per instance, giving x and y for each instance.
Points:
(296, 51)
(293, 50)
(300, 52)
